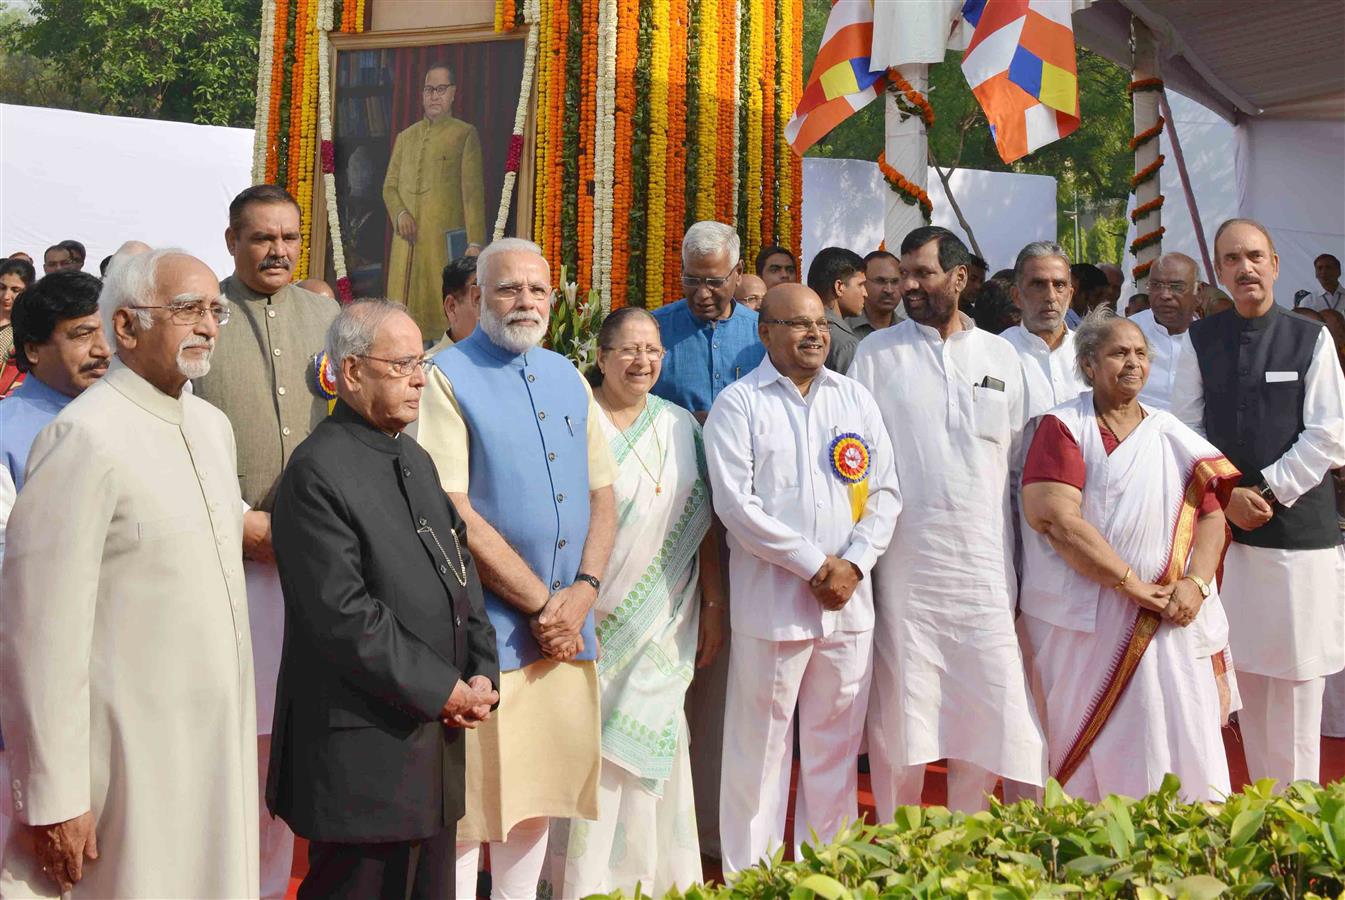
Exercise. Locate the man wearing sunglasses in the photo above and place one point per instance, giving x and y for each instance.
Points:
(711, 339)
(265, 379)
(434, 195)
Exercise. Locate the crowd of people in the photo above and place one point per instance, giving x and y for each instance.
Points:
(274, 565)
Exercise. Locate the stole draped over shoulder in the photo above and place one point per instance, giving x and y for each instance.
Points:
(1125, 694)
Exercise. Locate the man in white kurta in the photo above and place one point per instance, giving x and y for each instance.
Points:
(788, 447)
(1266, 388)
(1174, 284)
(126, 688)
(1041, 291)
(948, 674)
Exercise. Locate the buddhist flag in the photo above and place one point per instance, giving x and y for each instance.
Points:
(841, 83)
(1020, 66)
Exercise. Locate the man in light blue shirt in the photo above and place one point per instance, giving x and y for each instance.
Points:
(711, 339)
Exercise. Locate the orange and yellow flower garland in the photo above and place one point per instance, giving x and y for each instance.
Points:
(677, 154)
(656, 208)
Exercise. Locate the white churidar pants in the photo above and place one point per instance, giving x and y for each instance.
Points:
(828, 680)
(515, 864)
(1281, 724)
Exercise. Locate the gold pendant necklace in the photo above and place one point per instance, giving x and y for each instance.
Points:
(658, 482)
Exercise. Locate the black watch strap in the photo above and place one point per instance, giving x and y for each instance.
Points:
(585, 577)
(1267, 494)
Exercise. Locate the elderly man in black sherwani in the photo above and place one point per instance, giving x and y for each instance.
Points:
(388, 653)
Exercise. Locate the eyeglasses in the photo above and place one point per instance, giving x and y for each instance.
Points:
(800, 325)
(713, 284)
(404, 366)
(512, 290)
(191, 313)
(1177, 287)
(629, 354)
(436, 90)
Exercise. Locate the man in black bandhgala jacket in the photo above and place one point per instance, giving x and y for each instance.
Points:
(388, 653)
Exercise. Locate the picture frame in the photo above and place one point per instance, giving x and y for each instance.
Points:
(379, 101)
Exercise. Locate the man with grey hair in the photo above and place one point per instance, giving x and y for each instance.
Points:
(388, 651)
(124, 648)
(711, 340)
(266, 379)
(1174, 284)
(1042, 292)
(517, 440)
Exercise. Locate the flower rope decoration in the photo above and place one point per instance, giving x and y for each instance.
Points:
(1144, 85)
(910, 101)
(905, 189)
(1147, 240)
(531, 15)
(1148, 173)
(263, 111)
(1144, 209)
(1142, 270)
(1147, 135)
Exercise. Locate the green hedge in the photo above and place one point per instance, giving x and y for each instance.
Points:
(1257, 844)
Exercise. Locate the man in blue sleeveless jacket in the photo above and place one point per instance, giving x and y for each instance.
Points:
(514, 433)
(1266, 388)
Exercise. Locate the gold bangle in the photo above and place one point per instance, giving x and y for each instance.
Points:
(1124, 578)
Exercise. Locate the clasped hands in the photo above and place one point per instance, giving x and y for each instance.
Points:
(834, 582)
(1178, 602)
(469, 704)
(556, 625)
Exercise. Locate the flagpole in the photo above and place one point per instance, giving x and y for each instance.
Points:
(906, 149)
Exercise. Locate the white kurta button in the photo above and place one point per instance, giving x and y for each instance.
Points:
(280, 391)
(271, 313)
(276, 351)
(18, 804)
(285, 431)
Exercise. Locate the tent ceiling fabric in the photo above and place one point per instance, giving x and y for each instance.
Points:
(1237, 57)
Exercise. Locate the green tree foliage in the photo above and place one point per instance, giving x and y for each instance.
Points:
(1095, 160)
(185, 60)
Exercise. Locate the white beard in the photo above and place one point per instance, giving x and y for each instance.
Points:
(513, 337)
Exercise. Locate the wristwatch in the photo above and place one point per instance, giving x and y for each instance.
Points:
(589, 579)
(1200, 584)
(1267, 494)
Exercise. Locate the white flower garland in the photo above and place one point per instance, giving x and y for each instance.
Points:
(262, 116)
(531, 16)
(604, 169)
(326, 20)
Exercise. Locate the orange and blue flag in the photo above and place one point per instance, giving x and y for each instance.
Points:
(1020, 65)
(841, 83)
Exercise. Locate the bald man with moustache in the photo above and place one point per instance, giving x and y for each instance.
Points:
(804, 533)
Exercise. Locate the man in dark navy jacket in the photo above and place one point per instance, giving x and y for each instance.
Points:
(388, 652)
(1266, 388)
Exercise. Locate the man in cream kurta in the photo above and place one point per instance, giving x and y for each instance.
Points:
(125, 662)
(262, 376)
(434, 185)
(948, 674)
(800, 559)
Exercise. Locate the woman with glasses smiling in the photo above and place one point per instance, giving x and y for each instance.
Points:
(659, 617)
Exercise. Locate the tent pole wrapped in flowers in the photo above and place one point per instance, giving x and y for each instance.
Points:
(648, 115)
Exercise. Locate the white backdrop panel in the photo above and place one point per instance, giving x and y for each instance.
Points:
(103, 180)
(843, 207)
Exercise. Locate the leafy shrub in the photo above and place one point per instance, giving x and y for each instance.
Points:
(1256, 844)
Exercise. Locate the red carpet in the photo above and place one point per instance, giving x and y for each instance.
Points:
(1333, 769)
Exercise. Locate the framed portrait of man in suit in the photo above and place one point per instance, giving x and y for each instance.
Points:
(421, 124)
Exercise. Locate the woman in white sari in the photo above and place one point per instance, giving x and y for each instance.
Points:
(1127, 506)
(659, 617)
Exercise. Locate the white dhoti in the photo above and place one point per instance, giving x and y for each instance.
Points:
(1333, 706)
(827, 679)
(266, 615)
(1286, 615)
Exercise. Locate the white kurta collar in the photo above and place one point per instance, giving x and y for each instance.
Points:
(769, 374)
(143, 394)
(931, 334)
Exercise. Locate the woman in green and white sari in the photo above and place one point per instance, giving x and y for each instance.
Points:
(659, 617)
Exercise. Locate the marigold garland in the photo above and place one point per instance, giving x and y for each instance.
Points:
(910, 101)
(656, 210)
(1140, 272)
(1147, 135)
(1147, 173)
(1147, 240)
(675, 224)
(1144, 209)
(1144, 85)
(904, 188)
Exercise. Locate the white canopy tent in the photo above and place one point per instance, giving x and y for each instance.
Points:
(103, 180)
